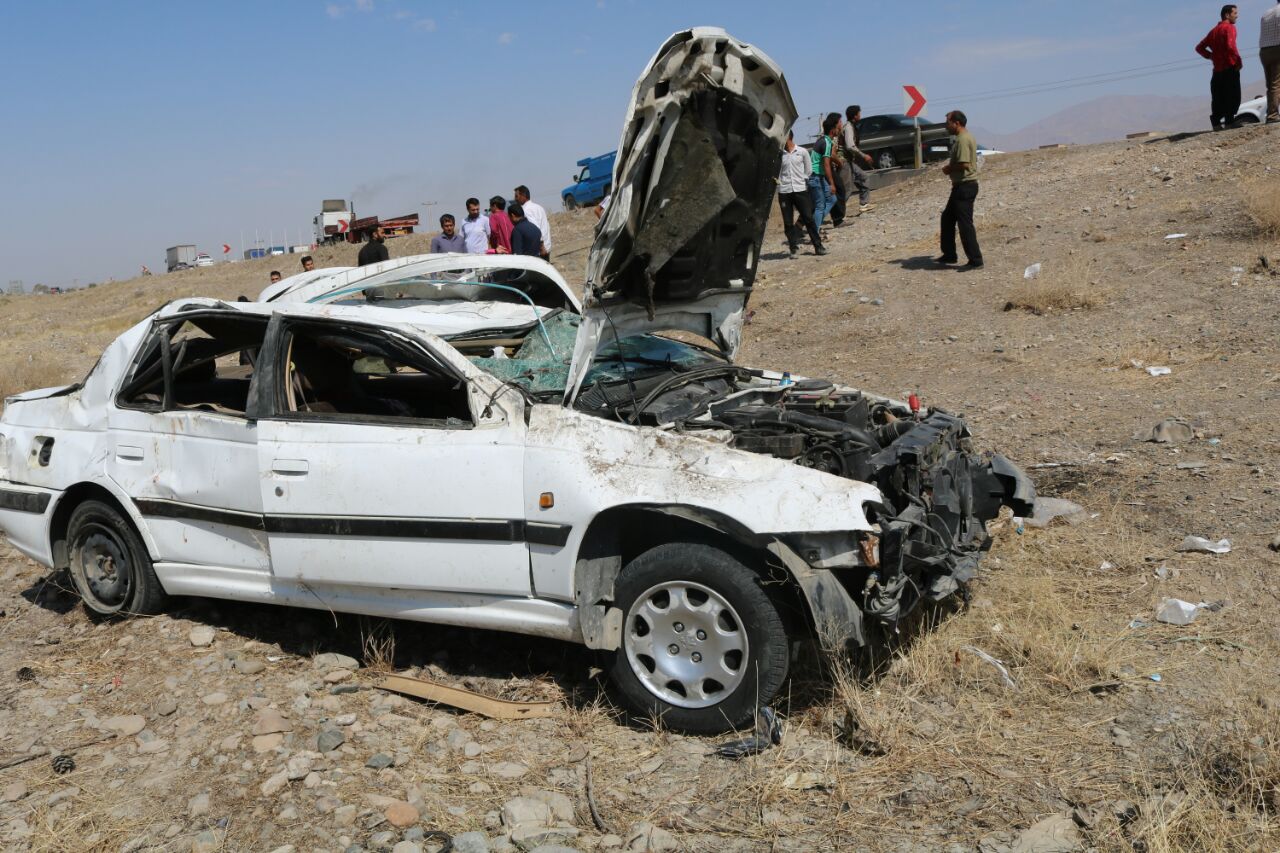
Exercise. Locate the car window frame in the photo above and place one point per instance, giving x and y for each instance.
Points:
(271, 402)
(163, 328)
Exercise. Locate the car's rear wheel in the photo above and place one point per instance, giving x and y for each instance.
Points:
(570, 203)
(109, 564)
(886, 160)
(703, 645)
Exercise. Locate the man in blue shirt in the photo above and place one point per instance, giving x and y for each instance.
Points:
(526, 239)
(448, 240)
(475, 228)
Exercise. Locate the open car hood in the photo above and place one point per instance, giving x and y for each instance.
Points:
(696, 172)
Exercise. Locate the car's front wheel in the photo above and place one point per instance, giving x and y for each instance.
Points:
(570, 203)
(703, 644)
(109, 563)
(886, 160)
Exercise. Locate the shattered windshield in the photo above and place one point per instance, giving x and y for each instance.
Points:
(536, 357)
(457, 287)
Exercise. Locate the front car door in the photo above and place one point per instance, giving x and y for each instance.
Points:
(383, 467)
(184, 448)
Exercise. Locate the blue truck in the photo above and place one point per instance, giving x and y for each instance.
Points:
(592, 183)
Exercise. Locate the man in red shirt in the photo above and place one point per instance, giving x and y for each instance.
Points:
(500, 226)
(1219, 46)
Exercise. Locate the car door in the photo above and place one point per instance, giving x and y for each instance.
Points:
(183, 446)
(379, 468)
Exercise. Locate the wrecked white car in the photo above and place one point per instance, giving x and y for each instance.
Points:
(464, 440)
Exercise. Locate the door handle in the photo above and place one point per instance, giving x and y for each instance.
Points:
(290, 467)
(128, 453)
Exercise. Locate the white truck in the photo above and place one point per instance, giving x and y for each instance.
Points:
(333, 221)
(180, 257)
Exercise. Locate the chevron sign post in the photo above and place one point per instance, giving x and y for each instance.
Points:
(913, 104)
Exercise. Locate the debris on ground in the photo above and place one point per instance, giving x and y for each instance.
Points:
(1048, 509)
(1032, 272)
(466, 700)
(1207, 546)
(998, 664)
(1159, 371)
(851, 734)
(1168, 431)
(1274, 544)
(768, 733)
(1175, 611)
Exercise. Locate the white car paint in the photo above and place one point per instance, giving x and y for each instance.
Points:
(1253, 110)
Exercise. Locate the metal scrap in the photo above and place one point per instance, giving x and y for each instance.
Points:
(768, 733)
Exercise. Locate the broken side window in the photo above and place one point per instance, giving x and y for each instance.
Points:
(204, 363)
(344, 374)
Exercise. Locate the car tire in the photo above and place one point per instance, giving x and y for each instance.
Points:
(109, 564)
(731, 643)
(1246, 118)
(886, 160)
(570, 203)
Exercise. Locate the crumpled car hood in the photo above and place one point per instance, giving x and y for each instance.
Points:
(696, 171)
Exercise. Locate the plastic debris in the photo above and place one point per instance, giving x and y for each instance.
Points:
(1159, 371)
(1106, 566)
(999, 665)
(1155, 676)
(1019, 526)
(1175, 611)
(768, 733)
(1168, 431)
(1207, 546)
(1163, 573)
(1174, 236)
(1048, 509)
(1032, 272)
(1139, 623)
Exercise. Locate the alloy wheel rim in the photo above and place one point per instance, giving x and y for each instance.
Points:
(686, 644)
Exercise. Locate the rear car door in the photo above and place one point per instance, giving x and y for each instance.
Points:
(182, 444)
(379, 468)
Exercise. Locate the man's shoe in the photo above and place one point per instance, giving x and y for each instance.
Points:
(974, 265)
(793, 254)
(821, 250)
(866, 208)
(944, 260)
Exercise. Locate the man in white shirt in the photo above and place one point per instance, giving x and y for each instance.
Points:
(535, 213)
(475, 229)
(1270, 56)
(793, 196)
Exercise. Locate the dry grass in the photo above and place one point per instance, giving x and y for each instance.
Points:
(1065, 285)
(1262, 202)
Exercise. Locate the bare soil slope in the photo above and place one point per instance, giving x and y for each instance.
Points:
(1118, 732)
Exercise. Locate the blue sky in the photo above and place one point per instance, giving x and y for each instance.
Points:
(132, 126)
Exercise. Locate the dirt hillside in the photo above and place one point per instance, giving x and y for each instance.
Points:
(244, 727)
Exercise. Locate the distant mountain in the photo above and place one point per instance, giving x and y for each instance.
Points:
(1111, 117)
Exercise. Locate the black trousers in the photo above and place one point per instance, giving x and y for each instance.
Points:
(959, 214)
(1225, 88)
(798, 203)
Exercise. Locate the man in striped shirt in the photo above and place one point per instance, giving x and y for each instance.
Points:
(1219, 46)
(1270, 56)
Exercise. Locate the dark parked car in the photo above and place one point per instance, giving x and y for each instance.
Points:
(891, 139)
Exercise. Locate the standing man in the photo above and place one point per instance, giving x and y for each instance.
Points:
(308, 263)
(475, 228)
(964, 190)
(448, 240)
(1270, 56)
(1219, 46)
(536, 214)
(526, 239)
(373, 251)
(500, 226)
(854, 174)
(822, 181)
(793, 197)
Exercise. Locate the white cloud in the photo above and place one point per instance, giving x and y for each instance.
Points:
(364, 5)
(402, 15)
(333, 10)
(426, 25)
(506, 38)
